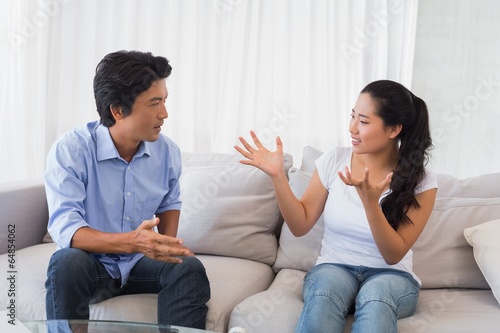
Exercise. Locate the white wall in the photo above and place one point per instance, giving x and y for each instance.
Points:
(457, 72)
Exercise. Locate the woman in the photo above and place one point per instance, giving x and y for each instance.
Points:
(376, 197)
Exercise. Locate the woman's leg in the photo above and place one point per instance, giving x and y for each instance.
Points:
(385, 296)
(329, 291)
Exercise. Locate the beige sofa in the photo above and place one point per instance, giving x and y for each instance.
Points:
(231, 220)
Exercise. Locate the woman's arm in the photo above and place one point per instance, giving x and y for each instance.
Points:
(300, 215)
(393, 245)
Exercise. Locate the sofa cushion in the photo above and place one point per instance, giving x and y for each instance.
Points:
(231, 281)
(453, 310)
(441, 255)
(299, 252)
(276, 309)
(309, 155)
(481, 186)
(484, 238)
(438, 310)
(228, 208)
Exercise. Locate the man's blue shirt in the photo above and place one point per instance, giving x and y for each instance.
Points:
(89, 185)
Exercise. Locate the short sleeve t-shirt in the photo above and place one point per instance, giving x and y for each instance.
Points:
(347, 237)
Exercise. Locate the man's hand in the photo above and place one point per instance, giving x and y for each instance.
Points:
(158, 246)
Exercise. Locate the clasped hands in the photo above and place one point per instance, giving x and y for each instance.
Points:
(158, 246)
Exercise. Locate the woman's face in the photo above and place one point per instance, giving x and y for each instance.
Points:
(368, 131)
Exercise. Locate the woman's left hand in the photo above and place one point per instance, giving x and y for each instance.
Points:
(367, 191)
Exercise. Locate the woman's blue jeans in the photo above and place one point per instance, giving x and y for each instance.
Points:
(75, 279)
(379, 296)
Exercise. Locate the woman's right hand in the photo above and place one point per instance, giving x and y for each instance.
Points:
(269, 162)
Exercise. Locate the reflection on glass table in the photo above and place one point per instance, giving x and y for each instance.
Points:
(101, 326)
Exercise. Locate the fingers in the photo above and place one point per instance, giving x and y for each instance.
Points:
(246, 145)
(347, 178)
(256, 140)
(279, 145)
(365, 175)
(387, 181)
(149, 224)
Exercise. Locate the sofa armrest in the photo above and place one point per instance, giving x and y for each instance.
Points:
(23, 213)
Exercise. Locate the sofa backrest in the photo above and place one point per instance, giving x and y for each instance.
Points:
(441, 256)
(228, 208)
(23, 205)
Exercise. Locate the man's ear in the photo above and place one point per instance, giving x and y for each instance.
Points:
(394, 130)
(116, 111)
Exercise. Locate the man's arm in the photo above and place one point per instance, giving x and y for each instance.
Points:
(169, 222)
(144, 240)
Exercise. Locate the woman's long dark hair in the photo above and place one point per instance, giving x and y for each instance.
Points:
(396, 105)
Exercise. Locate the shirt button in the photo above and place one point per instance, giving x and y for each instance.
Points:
(127, 218)
(129, 194)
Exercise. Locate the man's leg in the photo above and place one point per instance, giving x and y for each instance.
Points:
(75, 278)
(183, 289)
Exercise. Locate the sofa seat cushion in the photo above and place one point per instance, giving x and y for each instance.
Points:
(453, 310)
(274, 310)
(231, 280)
(438, 310)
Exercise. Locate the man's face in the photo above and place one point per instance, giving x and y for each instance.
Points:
(147, 114)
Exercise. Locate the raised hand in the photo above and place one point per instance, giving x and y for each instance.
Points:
(368, 192)
(269, 162)
(158, 246)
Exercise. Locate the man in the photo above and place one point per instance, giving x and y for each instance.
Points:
(105, 184)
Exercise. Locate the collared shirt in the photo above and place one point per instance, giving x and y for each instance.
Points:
(88, 184)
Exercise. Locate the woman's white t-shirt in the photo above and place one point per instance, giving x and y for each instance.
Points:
(347, 238)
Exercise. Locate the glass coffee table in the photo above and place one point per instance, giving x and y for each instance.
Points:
(102, 326)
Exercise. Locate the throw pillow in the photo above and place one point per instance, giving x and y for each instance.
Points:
(228, 208)
(484, 240)
(309, 155)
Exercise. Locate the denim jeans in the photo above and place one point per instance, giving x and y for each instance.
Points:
(378, 296)
(75, 279)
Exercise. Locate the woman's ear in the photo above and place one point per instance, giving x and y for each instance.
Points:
(394, 130)
(116, 111)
